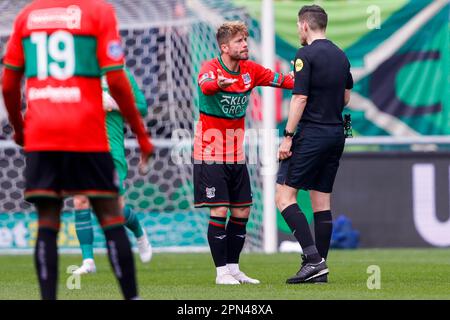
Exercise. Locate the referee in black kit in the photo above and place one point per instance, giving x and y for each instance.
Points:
(310, 155)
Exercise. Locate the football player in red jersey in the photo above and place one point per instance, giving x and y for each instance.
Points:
(63, 47)
(221, 179)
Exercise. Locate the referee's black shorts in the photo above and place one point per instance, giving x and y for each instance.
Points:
(316, 151)
(222, 185)
(58, 174)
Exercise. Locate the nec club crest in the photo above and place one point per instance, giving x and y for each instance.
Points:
(210, 192)
(247, 79)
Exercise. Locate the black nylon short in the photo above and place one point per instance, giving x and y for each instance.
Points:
(57, 174)
(217, 185)
(316, 152)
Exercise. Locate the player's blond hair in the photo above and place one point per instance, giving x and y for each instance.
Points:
(229, 29)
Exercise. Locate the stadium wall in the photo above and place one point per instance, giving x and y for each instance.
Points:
(394, 199)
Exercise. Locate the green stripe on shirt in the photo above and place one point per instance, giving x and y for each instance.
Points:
(85, 55)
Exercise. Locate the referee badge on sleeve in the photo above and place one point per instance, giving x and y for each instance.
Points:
(298, 65)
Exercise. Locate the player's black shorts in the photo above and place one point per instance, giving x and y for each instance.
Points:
(316, 151)
(57, 174)
(217, 185)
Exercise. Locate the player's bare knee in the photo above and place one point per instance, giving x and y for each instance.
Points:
(81, 202)
(283, 199)
(219, 212)
(121, 202)
(318, 207)
(242, 212)
(320, 201)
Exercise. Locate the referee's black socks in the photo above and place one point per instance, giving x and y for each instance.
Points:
(298, 224)
(323, 227)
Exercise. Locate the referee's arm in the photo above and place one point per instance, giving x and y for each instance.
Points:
(348, 86)
(296, 108)
(347, 96)
(298, 103)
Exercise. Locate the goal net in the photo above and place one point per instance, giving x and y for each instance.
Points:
(165, 44)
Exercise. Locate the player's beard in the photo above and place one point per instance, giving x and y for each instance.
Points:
(243, 55)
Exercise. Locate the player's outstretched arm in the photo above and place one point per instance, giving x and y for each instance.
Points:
(120, 90)
(13, 101)
(268, 78)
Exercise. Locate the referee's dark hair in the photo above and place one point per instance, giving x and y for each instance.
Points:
(315, 17)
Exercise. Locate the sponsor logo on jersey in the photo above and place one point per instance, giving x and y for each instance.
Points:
(210, 192)
(55, 94)
(234, 105)
(55, 18)
(115, 50)
(298, 65)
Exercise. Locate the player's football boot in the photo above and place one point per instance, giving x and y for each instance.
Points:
(320, 279)
(309, 271)
(243, 278)
(88, 266)
(226, 278)
(144, 248)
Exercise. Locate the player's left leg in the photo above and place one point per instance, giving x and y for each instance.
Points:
(320, 194)
(92, 174)
(211, 191)
(46, 249)
(131, 220)
(323, 225)
(240, 204)
(323, 222)
(133, 224)
(313, 265)
(236, 234)
(118, 244)
(42, 187)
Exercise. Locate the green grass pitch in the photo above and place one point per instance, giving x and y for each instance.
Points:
(405, 274)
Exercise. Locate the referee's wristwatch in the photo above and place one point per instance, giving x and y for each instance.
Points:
(288, 134)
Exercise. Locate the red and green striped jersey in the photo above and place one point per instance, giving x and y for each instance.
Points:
(64, 46)
(220, 130)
